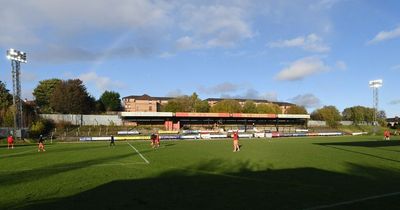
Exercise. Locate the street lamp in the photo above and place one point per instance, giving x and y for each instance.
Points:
(375, 84)
(16, 58)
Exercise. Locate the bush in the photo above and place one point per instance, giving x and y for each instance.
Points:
(42, 126)
(8, 119)
(62, 125)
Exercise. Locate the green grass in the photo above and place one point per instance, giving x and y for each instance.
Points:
(292, 173)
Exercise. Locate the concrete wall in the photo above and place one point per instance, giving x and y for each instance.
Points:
(315, 123)
(77, 119)
(346, 122)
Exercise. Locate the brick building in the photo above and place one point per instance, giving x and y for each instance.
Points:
(146, 103)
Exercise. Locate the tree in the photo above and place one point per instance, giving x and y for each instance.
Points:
(249, 107)
(381, 114)
(172, 106)
(41, 127)
(193, 100)
(99, 107)
(329, 114)
(355, 114)
(43, 93)
(29, 114)
(202, 106)
(8, 119)
(381, 118)
(347, 114)
(179, 104)
(198, 105)
(5, 97)
(111, 101)
(186, 104)
(231, 106)
(5, 101)
(268, 109)
(71, 97)
(294, 109)
(359, 114)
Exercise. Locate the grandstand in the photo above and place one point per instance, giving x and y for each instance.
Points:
(182, 120)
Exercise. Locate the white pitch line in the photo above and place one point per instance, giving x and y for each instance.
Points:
(353, 201)
(139, 153)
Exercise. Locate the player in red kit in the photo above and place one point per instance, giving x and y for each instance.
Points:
(386, 135)
(157, 140)
(10, 142)
(41, 144)
(236, 141)
(153, 139)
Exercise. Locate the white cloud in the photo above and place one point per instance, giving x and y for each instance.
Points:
(341, 65)
(167, 55)
(302, 68)
(312, 43)
(101, 83)
(60, 54)
(71, 25)
(253, 94)
(215, 25)
(386, 35)
(222, 88)
(307, 100)
(270, 96)
(187, 43)
(395, 102)
(61, 36)
(175, 93)
(250, 94)
(75, 30)
(397, 67)
(56, 54)
(28, 76)
(102, 13)
(323, 4)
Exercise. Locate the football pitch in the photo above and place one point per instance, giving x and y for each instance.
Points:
(287, 173)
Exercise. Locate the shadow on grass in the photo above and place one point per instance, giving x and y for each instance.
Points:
(52, 148)
(371, 144)
(10, 177)
(205, 186)
(364, 143)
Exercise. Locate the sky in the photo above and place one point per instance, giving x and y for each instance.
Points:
(312, 53)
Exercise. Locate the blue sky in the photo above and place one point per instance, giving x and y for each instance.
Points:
(312, 53)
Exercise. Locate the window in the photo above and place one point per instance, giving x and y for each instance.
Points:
(150, 108)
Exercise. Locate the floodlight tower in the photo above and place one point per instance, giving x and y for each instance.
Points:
(375, 84)
(16, 58)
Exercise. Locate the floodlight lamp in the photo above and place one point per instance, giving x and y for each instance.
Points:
(375, 83)
(16, 55)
